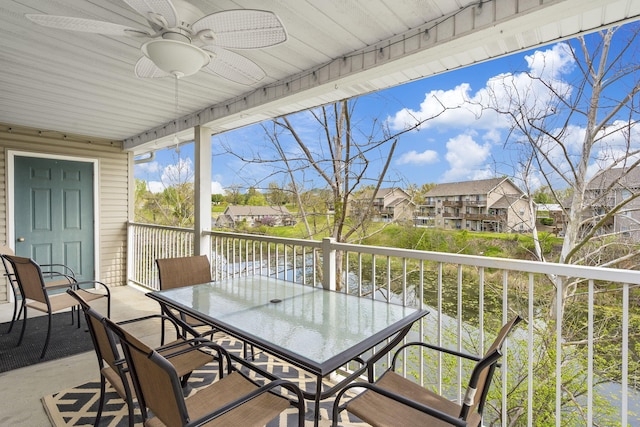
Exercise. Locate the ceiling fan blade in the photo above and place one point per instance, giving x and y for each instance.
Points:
(234, 67)
(84, 25)
(145, 68)
(242, 29)
(151, 9)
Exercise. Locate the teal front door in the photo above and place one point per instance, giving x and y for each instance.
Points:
(54, 212)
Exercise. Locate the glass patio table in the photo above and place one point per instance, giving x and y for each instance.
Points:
(309, 327)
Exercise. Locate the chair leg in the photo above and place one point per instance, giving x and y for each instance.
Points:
(24, 326)
(46, 341)
(103, 387)
(130, 413)
(16, 313)
(129, 399)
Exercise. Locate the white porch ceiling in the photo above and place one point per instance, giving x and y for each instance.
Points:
(84, 84)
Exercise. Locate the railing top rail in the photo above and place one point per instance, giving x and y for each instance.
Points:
(163, 227)
(567, 270)
(269, 239)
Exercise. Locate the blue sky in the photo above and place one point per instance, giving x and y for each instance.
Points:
(462, 143)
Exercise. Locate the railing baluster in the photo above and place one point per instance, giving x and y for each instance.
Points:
(590, 354)
(505, 319)
(625, 355)
(459, 330)
(439, 328)
(530, 352)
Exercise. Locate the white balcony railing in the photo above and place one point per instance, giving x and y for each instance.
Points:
(582, 370)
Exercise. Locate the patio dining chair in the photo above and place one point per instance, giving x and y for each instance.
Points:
(188, 271)
(232, 400)
(185, 271)
(62, 275)
(396, 401)
(184, 355)
(31, 282)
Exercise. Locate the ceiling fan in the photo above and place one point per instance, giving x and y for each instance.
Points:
(184, 40)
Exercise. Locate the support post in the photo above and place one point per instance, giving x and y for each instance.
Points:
(202, 191)
(329, 263)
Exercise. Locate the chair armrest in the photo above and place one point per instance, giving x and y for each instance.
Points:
(61, 280)
(176, 322)
(197, 343)
(53, 268)
(436, 348)
(405, 401)
(77, 284)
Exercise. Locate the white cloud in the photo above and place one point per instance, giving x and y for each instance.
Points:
(155, 186)
(216, 188)
(448, 109)
(149, 168)
(415, 158)
(552, 63)
(467, 159)
(461, 109)
(178, 173)
(493, 136)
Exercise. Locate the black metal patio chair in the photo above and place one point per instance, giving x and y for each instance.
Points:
(394, 400)
(184, 355)
(232, 400)
(33, 288)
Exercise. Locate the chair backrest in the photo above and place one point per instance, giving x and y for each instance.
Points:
(155, 379)
(29, 278)
(483, 372)
(183, 271)
(103, 340)
(6, 250)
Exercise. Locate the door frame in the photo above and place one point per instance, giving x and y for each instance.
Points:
(11, 155)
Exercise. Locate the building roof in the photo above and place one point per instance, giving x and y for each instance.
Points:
(626, 177)
(505, 202)
(482, 186)
(550, 207)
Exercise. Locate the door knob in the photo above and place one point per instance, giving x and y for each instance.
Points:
(20, 239)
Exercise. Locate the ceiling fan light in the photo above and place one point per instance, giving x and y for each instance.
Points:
(175, 57)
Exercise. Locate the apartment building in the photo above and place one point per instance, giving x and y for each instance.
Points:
(495, 204)
(611, 188)
(389, 204)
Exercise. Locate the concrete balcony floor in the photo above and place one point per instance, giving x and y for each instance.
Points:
(22, 389)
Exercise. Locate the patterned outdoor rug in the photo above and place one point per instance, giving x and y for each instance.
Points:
(77, 406)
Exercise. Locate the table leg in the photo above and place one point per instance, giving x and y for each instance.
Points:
(314, 413)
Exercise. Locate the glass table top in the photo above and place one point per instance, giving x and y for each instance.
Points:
(313, 325)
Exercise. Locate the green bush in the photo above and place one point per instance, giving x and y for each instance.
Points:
(546, 221)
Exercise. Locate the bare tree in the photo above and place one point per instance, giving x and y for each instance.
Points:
(328, 155)
(578, 135)
(174, 204)
(579, 138)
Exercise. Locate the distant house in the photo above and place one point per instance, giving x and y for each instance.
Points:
(609, 189)
(555, 212)
(255, 215)
(495, 204)
(389, 204)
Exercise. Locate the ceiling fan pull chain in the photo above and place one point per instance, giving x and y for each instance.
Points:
(175, 135)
